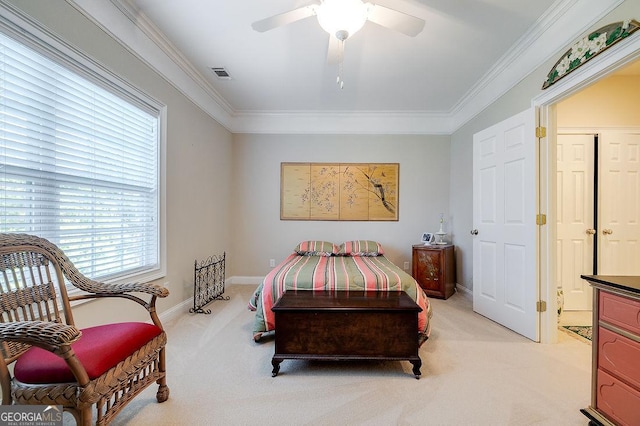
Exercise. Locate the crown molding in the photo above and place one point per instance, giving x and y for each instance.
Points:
(134, 31)
(519, 48)
(153, 32)
(342, 122)
(561, 24)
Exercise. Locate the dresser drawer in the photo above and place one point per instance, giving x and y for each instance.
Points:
(617, 400)
(620, 311)
(619, 356)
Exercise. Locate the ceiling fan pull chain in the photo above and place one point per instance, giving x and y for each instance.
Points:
(339, 80)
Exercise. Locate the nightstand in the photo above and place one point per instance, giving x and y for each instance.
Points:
(434, 268)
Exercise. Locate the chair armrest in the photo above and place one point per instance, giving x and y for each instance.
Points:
(51, 336)
(44, 334)
(115, 289)
(84, 283)
(97, 290)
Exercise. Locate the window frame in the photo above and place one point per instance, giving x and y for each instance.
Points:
(23, 29)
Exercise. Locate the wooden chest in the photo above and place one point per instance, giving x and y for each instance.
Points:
(346, 325)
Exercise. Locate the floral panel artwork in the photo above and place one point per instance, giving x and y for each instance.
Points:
(339, 191)
(590, 46)
(324, 191)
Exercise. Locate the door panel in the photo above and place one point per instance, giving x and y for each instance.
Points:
(505, 284)
(575, 189)
(514, 258)
(487, 270)
(619, 232)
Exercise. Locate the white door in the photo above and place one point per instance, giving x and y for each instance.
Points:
(505, 284)
(619, 229)
(575, 219)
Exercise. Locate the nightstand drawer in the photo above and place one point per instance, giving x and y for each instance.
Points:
(616, 400)
(620, 311)
(619, 356)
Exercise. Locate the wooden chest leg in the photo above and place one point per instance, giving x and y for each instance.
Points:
(416, 367)
(276, 366)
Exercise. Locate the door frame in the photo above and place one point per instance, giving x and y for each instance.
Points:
(614, 58)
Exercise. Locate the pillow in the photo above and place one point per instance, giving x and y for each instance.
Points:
(360, 248)
(316, 248)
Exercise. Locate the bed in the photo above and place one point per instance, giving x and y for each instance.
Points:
(321, 265)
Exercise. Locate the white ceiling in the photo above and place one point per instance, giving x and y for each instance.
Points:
(285, 69)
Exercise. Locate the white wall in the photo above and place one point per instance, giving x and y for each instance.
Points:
(609, 103)
(516, 100)
(260, 235)
(198, 162)
(223, 189)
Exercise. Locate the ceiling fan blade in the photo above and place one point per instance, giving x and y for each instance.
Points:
(334, 52)
(398, 21)
(284, 18)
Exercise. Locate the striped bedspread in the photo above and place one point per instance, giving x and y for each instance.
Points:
(334, 273)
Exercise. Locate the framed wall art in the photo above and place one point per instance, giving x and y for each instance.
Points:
(339, 191)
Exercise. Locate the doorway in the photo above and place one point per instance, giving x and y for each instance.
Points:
(550, 106)
(598, 190)
(597, 180)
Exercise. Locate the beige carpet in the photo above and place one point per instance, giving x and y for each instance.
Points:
(474, 372)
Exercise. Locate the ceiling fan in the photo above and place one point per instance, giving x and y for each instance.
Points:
(343, 18)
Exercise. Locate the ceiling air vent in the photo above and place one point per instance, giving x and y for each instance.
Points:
(221, 73)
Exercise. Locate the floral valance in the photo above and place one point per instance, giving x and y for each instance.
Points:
(590, 46)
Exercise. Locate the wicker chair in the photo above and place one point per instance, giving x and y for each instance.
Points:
(55, 363)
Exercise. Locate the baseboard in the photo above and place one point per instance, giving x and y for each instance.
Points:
(463, 289)
(180, 308)
(176, 311)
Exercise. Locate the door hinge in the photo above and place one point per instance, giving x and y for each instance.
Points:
(541, 219)
(541, 306)
(541, 132)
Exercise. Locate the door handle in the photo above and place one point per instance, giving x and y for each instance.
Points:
(591, 231)
(607, 231)
(474, 232)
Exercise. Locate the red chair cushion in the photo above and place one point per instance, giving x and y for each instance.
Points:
(98, 349)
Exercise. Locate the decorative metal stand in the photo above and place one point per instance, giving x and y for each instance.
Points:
(208, 283)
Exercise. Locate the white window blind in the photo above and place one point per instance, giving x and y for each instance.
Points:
(78, 165)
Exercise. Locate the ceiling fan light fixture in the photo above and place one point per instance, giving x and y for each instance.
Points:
(340, 16)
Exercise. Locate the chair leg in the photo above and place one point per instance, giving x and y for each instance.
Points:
(86, 414)
(83, 417)
(163, 391)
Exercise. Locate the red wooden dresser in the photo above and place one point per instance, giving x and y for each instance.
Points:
(615, 382)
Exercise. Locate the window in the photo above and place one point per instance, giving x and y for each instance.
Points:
(79, 162)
